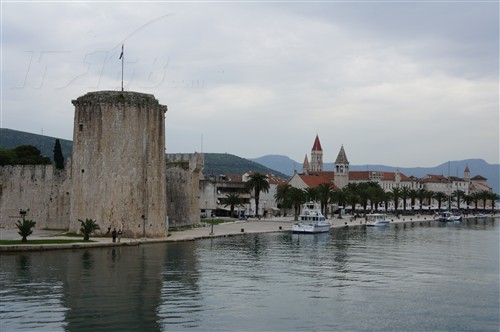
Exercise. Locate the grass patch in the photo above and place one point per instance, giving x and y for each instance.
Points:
(53, 241)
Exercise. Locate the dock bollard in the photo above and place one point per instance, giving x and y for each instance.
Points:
(242, 230)
(280, 228)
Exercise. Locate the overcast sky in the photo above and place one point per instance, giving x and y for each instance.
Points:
(397, 83)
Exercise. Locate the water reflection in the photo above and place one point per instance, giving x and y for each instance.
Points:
(264, 282)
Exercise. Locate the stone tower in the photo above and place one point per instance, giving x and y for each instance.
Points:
(118, 163)
(305, 166)
(341, 178)
(316, 156)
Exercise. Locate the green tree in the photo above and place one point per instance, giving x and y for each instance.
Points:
(493, 197)
(88, 227)
(352, 196)
(377, 195)
(29, 155)
(388, 196)
(396, 195)
(323, 191)
(467, 199)
(458, 196)
(58, 155)
(282, 197)
(413, 194)
(339, 196)
(311, 194)
(422, 195)
(25, 228)
(232, 200)
(258, 183)
(364, 195)
(297, 198)
(440, 197)
(405, 193)
(476, 197)
(7, 157)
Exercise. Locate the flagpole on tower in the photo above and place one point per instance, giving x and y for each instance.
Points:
(121, 57)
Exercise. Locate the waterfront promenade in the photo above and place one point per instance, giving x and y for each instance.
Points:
(251, 226)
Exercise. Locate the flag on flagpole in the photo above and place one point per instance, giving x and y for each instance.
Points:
(121, 54)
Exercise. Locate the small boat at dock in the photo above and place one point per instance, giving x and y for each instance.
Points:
(311, 220)
(376, 219)
(448, 216)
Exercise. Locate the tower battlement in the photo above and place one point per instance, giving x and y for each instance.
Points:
(118, 98)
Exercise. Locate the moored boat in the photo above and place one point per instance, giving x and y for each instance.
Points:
(376, 219)
(311, 220)
(448, 216)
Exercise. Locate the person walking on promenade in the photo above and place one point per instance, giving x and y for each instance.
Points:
(119, 235)
(113, 234)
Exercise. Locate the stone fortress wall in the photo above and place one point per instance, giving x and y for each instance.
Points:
(183, 188)
(118, 174)
(42, 189)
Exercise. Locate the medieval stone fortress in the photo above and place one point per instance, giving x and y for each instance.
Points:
(117, 174)
(120, 176)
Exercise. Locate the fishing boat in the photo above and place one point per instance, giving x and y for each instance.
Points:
(376, 219)
(311, 220)
(448, 216)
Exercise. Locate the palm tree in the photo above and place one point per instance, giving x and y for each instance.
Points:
(88, 227)
(377, 195)
(494, 197)
(458, 195)
(484, 196)
(311, 194)
(282, 197)
(405, 193)
(440, 197)
(413, 194)
(475, 198)
(257, 182)
(323, 191)
(429, 196)
(396, 194)
(422, 195)
(387, 198)
(467, 199)
(352, 196)
(297, 198)
(363, 195)
(232, 200)
(25, 228)
(340, 197)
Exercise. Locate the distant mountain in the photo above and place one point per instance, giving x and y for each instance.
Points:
(215, 163)
(280, 163)
(477, 167)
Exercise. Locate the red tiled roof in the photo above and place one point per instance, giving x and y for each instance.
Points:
(313, 181)
(326, 174)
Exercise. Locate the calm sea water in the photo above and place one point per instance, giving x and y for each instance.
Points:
(442, 277)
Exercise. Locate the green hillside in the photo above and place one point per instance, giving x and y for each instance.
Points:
(10, 139)
(223, 163)
(215, 163)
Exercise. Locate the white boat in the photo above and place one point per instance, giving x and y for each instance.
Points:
(376, 219)
(311, 220)
(481, 216)
(448, 216)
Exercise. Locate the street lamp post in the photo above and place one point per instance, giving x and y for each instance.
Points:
(22, 213)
